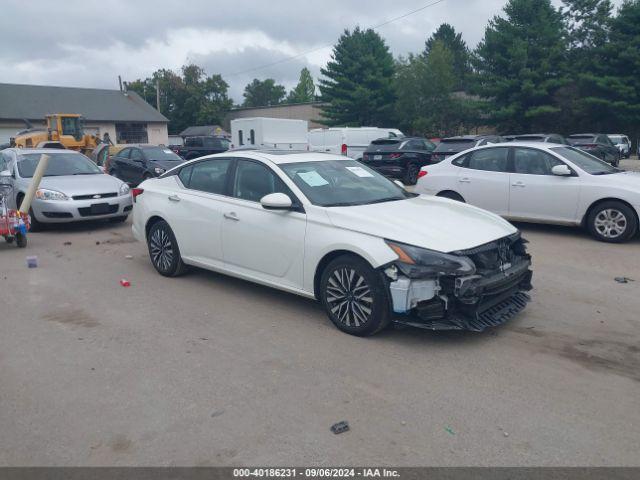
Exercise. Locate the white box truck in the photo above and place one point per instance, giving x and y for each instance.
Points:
(348, 141)
(277, 133)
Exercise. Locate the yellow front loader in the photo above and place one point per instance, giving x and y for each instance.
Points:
(66, 129)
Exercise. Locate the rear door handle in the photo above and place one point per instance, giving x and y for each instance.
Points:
(464, 180)
(231, 216)
(518, 184)
(174, 198)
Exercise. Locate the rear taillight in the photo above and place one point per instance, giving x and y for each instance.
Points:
(422, 173)
(343, 149)
(135, 192)
(395, 155)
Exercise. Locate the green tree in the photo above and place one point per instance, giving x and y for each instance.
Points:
(358, 81)
(428, 101)
(305, 90)
(521, 65)
(610, 94)
(261, 93)
(186, 98)
(461, 58)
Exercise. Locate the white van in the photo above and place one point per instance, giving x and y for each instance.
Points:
(278, 133)
(348, 141)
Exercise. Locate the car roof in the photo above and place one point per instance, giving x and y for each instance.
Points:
(280, 156)
(24, 151)
(584, 134)
(522, 143)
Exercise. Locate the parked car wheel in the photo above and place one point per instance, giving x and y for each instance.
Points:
(354, 296)
(451, 195)
(164, 251)
(612, 222)
(35, 225)
(411, 176)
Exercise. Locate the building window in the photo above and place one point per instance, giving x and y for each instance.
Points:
(240, 139)
(252, 137)
(131, 133)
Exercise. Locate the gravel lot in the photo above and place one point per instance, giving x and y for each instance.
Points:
(208, 370)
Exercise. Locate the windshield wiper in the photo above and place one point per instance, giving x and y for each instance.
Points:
(605, 172)
(388, 199)
(342, 204)
(86, 173)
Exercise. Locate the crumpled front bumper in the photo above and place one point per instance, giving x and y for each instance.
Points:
(475, 302)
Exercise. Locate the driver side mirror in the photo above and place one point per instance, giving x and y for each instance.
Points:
(276, 201)
(561, 171)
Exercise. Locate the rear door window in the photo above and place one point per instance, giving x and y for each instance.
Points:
(489, 159)
(207, 176)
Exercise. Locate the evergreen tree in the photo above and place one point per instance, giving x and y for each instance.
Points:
(453, 41)
(261, 93)
(428, 103)
(358, 84)
(305, 91)
(521, 66)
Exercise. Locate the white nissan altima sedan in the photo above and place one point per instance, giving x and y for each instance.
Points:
(327, 227)
(543, 183)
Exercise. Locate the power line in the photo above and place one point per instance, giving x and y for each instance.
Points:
(293, 57)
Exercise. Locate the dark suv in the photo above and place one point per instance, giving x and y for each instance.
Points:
(452, 145)
(399, 158)
(597, 144)
(195, 147)
(137, 163)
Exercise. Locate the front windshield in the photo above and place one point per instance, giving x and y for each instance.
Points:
(162, 154)
(67, 163)
(617, 139)
(586, 162)
(338, 183)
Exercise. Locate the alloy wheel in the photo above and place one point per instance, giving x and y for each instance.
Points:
(610, 223)
(349, 297)
(161, 249)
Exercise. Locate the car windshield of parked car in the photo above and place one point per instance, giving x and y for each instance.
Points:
(162, 154)
(578, 139)
(586, 162)
(340, 183)
(60, 164)
(617, 139)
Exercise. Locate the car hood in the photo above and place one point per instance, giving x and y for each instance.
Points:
(629, 180)
(166, 164)
(428, 222)
(73, 185)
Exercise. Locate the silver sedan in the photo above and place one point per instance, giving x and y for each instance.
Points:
(72, 189)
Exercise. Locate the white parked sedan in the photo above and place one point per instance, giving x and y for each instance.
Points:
(543, 183)
(327, 227)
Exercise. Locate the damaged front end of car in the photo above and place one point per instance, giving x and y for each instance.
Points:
(469, 289)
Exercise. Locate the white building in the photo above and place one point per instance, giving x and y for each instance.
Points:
(124, 115)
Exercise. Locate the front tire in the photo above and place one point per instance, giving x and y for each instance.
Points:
(355, 296)
(612, 222)
(164, 251)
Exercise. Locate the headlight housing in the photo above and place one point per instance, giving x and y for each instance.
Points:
(159, 171)
(416, 262)
(44, 194)
(124, 189)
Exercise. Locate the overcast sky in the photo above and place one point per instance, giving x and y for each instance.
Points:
(86, 43)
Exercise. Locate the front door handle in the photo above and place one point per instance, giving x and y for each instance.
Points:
(518, 184)
(174, 198)
(464, 180)
(231, 216)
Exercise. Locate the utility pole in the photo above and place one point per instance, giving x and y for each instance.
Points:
(158, 95)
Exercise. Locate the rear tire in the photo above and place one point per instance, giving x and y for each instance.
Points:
(451, 195)
(411, 176)
(612, 222)
(164, 251)
(355, 296)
